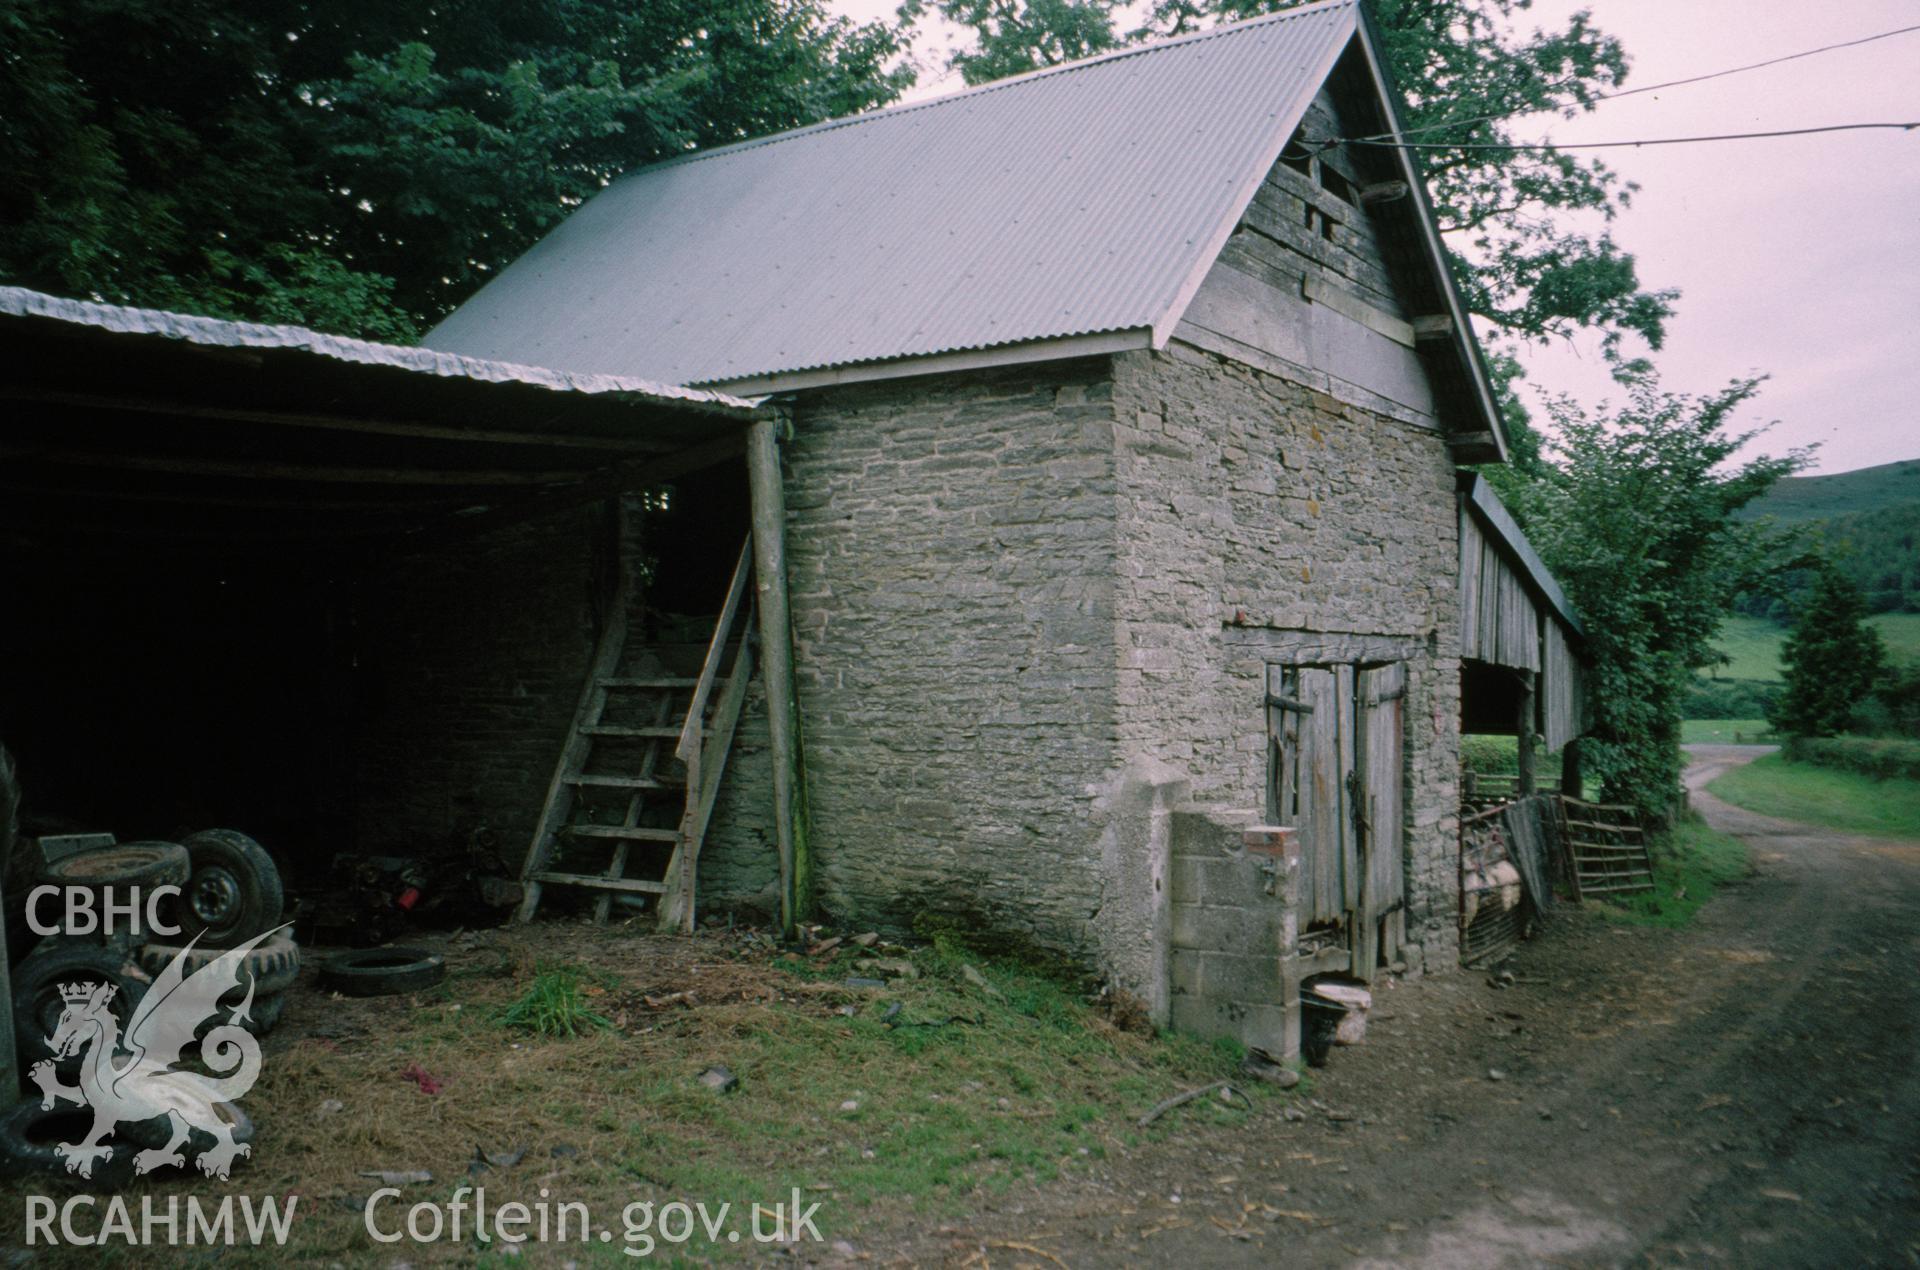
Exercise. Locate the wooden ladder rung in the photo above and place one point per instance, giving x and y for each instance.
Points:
(623, 833)
(595, 881)
(622, 782)
(622, 729)
(620, 682)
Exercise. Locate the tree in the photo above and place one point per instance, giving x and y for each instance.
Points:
(1633, 513)
(1465, 73)
(362, 166)
(1016, 36)
(1832, 659)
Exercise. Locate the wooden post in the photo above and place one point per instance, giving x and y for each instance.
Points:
(1526, 731)
(1570, 778)
(776, 671)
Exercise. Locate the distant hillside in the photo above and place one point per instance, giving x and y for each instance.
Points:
(1803, 498)
(1868, 521)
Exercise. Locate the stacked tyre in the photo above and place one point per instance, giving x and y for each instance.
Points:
(29, 1130)
(231, 894)
(58, 960)
(230, 891)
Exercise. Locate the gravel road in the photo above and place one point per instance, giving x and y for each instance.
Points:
(1744, 1091)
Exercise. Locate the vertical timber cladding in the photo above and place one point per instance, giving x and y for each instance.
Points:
(1561, 709)
(1499, 622)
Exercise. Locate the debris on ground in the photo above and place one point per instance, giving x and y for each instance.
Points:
(719, 1079)
(484, 1159)
(1225, 1089)
(666, 1001)
(1262, 1065)
(971, 973)
(428, 1083)
(398, 1177)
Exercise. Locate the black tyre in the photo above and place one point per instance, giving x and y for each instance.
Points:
(376, 972)
(273, 964)
(266, 1014)
(233, 892)
(131, 864)
(30, 1136)
(38, 1003)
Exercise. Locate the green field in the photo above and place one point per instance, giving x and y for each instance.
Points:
(1821, 796)
(1723, 731)
(1752, 645)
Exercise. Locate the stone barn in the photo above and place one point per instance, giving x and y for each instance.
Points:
(1124, 403)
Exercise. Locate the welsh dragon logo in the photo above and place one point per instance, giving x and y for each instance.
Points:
(149, 1083)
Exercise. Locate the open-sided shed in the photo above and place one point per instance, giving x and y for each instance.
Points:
(338, 594)
(1519, 637)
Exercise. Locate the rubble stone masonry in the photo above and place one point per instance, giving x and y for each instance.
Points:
(1033, 610)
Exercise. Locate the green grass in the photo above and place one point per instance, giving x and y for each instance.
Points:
(555, 1005)
(1689, 865)
(1723, 731)
(1900, 632)
(1821, 796)
(1752, 645)
(916, 1101)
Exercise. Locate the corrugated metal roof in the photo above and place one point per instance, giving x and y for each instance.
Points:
(1074, 201)
(217, 333)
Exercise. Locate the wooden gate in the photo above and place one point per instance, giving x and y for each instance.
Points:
(1335, 767)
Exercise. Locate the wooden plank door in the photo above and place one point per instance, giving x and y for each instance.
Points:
(1378, 815)
(1310, 738)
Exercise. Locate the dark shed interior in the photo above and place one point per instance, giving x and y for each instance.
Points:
(338, 596)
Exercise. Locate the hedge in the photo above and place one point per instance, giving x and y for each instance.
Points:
(1882, 759)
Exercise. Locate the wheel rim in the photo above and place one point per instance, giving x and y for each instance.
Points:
(214, 897)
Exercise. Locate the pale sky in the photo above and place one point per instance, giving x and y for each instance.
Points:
(1796, 257)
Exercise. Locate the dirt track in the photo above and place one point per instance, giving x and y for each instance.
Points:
(1743, 1091)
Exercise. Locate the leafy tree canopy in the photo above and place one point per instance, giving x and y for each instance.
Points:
(362, 166)
(1831, 660)
(1633, 513)
(1465, 71)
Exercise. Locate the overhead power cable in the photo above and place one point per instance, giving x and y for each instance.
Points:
(1322, 147)
(1648, 88)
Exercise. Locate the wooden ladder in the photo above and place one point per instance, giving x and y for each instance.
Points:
(648, 704)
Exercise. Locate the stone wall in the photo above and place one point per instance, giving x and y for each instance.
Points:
(950, 551)
(1265, 523)
(470, 662)
(1033, 611)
